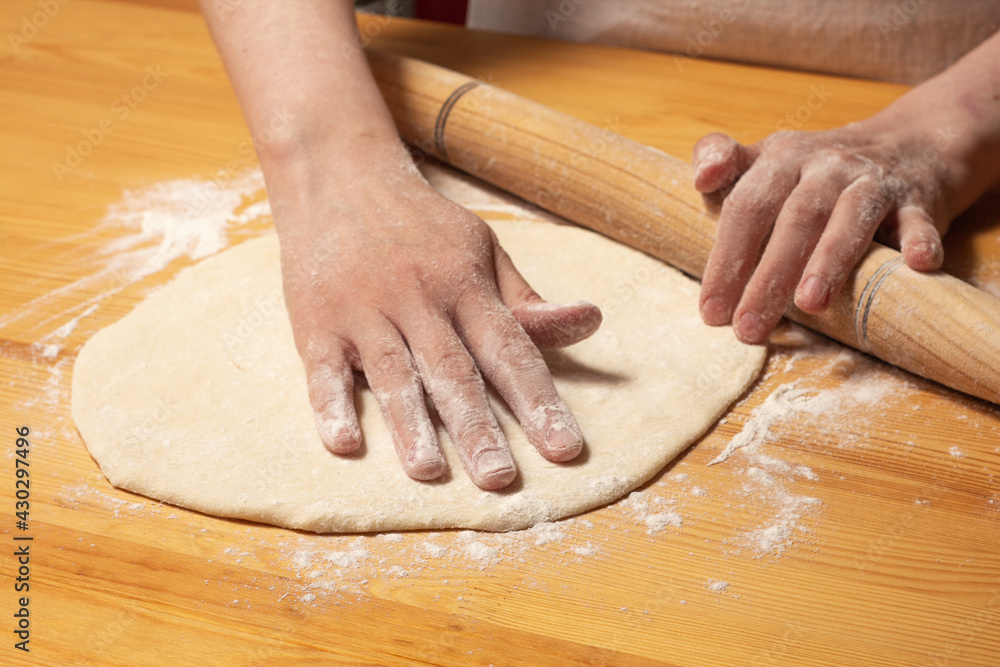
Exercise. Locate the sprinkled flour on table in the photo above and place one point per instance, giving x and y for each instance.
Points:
(765, 514)
(658, 522)
(717, 586)
(792, 399)
(772, 507)
(153, 227)
(547, 533)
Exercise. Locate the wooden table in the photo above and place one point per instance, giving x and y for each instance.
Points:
(884, 549)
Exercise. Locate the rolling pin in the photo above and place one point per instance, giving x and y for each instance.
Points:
(931, 324)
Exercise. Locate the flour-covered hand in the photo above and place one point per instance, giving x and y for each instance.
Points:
(800, 209)
(385, 276)
(813, 201)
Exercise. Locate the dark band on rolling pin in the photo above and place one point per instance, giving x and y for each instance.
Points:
(868, 298)
(442, 116)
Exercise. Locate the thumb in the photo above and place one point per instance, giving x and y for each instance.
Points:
(919, 240)
(557, 325)
(719, 161)
(549, 325)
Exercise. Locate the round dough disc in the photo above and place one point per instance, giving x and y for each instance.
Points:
(198, 397)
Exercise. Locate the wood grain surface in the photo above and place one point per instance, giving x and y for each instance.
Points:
(864, 529)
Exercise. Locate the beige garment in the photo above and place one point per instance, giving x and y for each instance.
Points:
(906, 41)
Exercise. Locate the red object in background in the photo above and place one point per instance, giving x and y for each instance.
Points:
(447, 11)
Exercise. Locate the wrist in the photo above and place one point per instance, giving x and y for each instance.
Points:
(348, 173)
(343, 147)
(947, 137)
(341, 160)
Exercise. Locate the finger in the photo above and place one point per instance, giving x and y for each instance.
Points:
(515, 367)
(553, 325)
(796, 233)
(748, 215)
(548, 325)
(859, 210)
(919, 239)
(719, 161)
(394, 381)
(456, 388)
(331, 393)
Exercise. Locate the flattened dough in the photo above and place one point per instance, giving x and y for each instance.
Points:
(198, 397)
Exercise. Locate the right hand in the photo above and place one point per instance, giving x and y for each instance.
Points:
(808, 205)
(384, 275)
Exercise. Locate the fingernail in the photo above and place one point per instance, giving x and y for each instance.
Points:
(716, 312)
(563, 442)
(816, 291)
(710, 156)
(751, 328)
(428, 469)
(926, 253)
(494, 465)
(337, 435)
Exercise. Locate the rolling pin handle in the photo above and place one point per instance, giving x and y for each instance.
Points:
(442, 117)
(864, 305)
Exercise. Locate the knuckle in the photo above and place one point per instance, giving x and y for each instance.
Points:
(784, 140)
(323, 381)
(775, 290)
(837, 161)
(313, 349)
(848, 161)
(391, 363)
(519, 355)
(323, 352)
(802, 217)
(869, 199)
(738, 210)
(479, 428)
(454, 365)
(428, 281)
(884, 188)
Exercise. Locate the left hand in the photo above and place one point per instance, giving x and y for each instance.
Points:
(814, 201)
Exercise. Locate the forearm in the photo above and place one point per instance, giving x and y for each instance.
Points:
(957, 115)
(300, 63)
